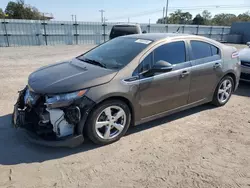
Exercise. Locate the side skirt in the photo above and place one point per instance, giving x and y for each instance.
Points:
(179, 109)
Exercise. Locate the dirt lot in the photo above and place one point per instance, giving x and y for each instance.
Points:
(201, 147)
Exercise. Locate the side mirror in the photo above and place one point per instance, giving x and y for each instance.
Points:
(144, 32)
(248, 44)
(161, 66)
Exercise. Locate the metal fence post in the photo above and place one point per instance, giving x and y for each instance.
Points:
(211, 30)
(148, 28)
(104, 31)
(197, 32)
(76, 31)
(6, 33)
(222, 34)
(45, 32)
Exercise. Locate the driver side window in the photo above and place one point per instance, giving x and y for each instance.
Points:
(173, 53)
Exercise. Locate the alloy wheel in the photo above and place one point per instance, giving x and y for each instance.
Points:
(110, 122)
(225, 91)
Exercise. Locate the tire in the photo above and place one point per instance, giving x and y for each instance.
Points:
(217, 98)
(99, 117)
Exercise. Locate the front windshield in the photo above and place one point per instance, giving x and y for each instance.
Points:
(116, 53)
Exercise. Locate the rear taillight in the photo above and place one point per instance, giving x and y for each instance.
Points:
(235, 55)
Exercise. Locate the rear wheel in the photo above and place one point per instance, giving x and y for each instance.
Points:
(108, 122)
(223, 91)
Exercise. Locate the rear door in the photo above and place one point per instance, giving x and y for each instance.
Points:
(206, 70)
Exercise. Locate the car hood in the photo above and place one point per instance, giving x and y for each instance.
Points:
(68, 77)
(245, 54)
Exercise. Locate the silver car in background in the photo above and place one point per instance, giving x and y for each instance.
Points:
(245, 63)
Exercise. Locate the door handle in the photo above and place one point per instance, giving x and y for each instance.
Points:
(217, 65)
(184, 74)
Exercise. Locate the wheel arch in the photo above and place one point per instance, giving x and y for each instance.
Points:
(123, 99)
(231, 74)
(115, 96)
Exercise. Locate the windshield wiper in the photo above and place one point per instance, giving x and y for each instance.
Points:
(93, 62)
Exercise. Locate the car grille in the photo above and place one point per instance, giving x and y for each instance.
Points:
(245, 76)
(244, 63)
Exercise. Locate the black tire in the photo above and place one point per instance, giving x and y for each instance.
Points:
(216, 100)
(90, 125)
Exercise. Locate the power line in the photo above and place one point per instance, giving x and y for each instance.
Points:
(211, 6)
(208, 7)
(139, 14)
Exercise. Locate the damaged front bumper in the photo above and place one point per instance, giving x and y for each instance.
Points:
(42, 132)
(70, 142)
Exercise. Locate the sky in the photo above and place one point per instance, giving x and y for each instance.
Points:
(140, 11)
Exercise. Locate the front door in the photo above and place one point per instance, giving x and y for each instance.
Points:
(206, 70)
(165, 91)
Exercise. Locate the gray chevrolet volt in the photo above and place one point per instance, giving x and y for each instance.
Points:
(124, 82)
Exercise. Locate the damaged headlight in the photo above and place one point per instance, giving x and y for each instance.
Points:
(62, 98)
(30, 98)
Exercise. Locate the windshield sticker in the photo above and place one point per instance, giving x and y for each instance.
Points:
(143, 41)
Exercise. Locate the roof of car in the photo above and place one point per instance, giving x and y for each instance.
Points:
(156, 36)
(126, 24)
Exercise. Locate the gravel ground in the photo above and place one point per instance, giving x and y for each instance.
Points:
(200, 147)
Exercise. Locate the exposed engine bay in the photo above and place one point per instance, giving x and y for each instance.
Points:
(51, 121)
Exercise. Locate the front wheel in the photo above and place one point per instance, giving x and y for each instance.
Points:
(223, 91)
(108, 122)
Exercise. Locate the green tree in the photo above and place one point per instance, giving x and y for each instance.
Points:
(179, 17)
(1, 13)
(207, 16)
(245, 17)
(161, 21)
(224, 19)
(198, 20)
(20, 10)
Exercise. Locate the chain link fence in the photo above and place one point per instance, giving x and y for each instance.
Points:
(33, 32)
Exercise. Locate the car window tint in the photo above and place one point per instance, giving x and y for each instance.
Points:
(117, 53)
(147, 63)
(123, 30)
(215, 50)
(201, 49)
(173, 53)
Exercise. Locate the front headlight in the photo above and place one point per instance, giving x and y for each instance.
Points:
(65, 97)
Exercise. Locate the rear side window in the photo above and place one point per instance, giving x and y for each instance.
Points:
(202, 50)
(173, 53)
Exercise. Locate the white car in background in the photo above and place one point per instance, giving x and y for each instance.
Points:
(245, 63)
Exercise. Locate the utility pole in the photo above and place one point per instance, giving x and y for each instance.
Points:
(167, 12)
(5, 28)
(102, 11)
(149, 25)
(163, 16)
(75, 18)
